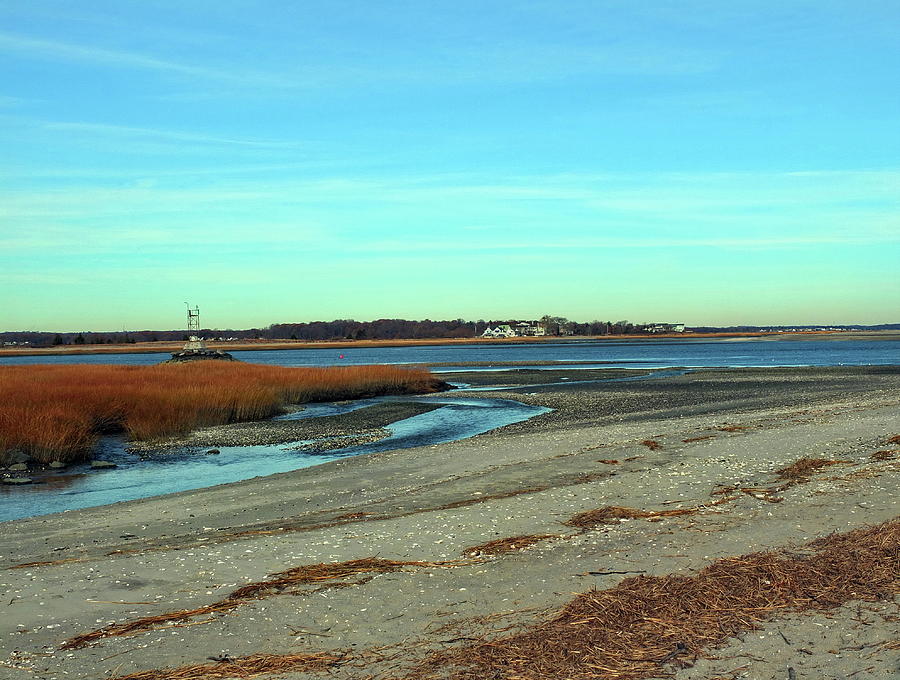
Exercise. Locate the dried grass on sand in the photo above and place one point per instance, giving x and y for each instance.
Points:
(304, 575)
(241, 667)
(502, 546)
(801, 470)
(635, 629)
(610, 513)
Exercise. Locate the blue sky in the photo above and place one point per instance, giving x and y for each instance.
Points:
(707, 162)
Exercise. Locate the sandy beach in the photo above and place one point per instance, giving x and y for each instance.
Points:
(709, 443)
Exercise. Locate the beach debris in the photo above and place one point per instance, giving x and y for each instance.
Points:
(319, 573)
(353, 515)
(801, 470)
(147, 623)
(894, 440)
(798, 472)
(733, 428)
(56, 465)
(699, 438)
(610, 514)
(634, 629)
(502, 546)
(45, 563)
(608, 461)
(102, 465)
(243, 667)
(652, 444)
(884, 455)
(280, 581)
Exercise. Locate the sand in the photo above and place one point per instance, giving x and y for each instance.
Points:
(184, 551)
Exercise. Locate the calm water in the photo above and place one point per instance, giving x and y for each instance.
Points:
(609, 353)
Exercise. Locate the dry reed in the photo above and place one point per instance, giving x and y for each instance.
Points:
(56, 412)
(635, 629)
(501, 546)
(801, 470)
(307, 574)
(319, 573)
(242, 667)
(611, 513)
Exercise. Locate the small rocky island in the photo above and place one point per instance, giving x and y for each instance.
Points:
(196, 350)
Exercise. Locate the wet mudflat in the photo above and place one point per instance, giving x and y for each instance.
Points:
(694, 465)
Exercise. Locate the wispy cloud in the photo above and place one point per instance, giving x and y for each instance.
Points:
(163, 134)
(55, 50)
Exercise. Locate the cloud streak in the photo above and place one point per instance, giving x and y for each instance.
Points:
(38, 48)
(120, 131)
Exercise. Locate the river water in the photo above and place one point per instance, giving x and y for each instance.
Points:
(457, 418)
(648, 353)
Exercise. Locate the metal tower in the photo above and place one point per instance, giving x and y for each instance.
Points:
(193, 316)
(194, 339)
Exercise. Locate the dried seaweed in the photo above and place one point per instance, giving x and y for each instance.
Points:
(353, 515)
(242, 667)
(307, 574)
(608, 461)
(645, 623)
(701, 438)
(798, 472)
(490, 497)
(733, 428)
(801, 470)
(884, 455)
(652, 444)
(894, 440)
(318, 573)
(610, 513)
(45, 563)
(146, 623)
(506, 545)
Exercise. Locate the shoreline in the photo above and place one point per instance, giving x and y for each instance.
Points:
(711, 430)
(275, 345)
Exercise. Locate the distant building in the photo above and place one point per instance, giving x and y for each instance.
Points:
(665, 328)
(530, 328)
(501, 331)
(520, 330)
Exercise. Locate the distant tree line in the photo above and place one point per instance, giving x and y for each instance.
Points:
(380, 329)
(339, 329)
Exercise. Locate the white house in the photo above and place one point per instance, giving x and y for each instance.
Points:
(521, 329)
(502, 331)
(665, 328)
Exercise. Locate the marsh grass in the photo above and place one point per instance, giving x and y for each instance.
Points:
(57, 412)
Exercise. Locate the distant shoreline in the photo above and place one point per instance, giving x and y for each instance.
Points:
(274, 345)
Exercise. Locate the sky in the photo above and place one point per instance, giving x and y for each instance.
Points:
(699, 161)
